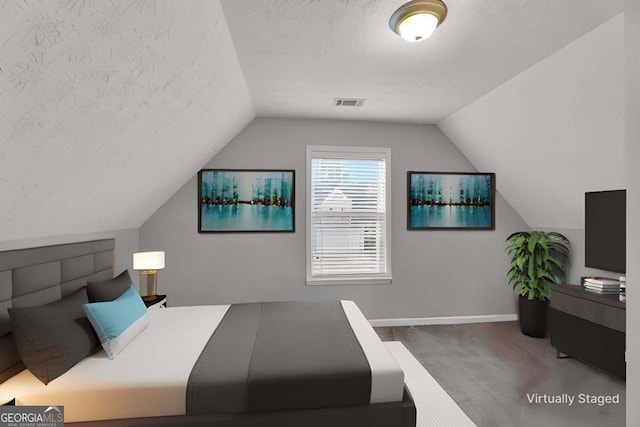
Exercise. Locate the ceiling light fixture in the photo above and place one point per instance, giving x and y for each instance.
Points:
(418, 19)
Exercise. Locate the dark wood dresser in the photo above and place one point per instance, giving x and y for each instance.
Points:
(589, 327)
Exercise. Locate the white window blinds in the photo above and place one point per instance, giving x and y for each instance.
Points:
(348, 228)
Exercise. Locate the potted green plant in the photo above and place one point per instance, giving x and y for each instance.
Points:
(538, 259)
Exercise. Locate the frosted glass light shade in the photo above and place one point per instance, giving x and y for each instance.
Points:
(148, 260)
(418, 19)
(418, 27)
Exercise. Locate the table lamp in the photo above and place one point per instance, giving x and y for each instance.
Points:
(148, 263)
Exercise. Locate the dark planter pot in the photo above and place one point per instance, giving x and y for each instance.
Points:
(534, 317)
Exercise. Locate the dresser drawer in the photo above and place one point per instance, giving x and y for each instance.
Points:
(605, 315)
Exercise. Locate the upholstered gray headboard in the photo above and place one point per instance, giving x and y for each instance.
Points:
(36, 276)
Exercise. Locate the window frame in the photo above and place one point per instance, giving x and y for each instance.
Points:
(355, 153)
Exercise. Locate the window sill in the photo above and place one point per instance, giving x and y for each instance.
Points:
(349, 281)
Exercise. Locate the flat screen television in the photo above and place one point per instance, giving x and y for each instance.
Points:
(605, 230)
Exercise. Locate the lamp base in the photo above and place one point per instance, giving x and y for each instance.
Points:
(148, 283)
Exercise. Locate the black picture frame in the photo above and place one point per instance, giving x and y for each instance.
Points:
(236, 201)
(451, 200)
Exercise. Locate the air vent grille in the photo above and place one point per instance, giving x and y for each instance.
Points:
(349, 102)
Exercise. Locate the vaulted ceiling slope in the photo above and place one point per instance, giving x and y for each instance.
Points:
(108, 107)
(532, 90)
(299, 55)
(554, 131)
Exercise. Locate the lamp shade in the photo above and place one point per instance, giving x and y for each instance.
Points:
(148, 260)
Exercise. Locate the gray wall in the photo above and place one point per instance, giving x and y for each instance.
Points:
(126, 245)
(435, 273)
(577, 268)
(632, 49)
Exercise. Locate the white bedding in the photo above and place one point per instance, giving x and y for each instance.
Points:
(149, 377)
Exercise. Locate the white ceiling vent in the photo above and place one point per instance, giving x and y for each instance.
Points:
(349, 102)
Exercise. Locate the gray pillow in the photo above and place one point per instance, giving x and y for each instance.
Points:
(52, 338)
(110, 289)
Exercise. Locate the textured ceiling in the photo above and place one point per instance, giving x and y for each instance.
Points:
(108, 107)
(297, 56)
(555, 131)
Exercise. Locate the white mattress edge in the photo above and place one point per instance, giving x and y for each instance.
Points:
(387, 377)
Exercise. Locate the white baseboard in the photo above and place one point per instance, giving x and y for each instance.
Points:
(455, 320)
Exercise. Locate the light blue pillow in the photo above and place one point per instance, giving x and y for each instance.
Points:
(119, 321)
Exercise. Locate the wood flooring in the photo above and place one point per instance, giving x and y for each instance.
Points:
(502, 378)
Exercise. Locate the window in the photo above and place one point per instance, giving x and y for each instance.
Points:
(348, 224)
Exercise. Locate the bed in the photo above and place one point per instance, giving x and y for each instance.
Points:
(164, 375)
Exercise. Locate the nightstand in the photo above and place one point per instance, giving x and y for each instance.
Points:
(155, 301)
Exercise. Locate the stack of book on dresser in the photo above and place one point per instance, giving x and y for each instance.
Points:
(602, 285)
